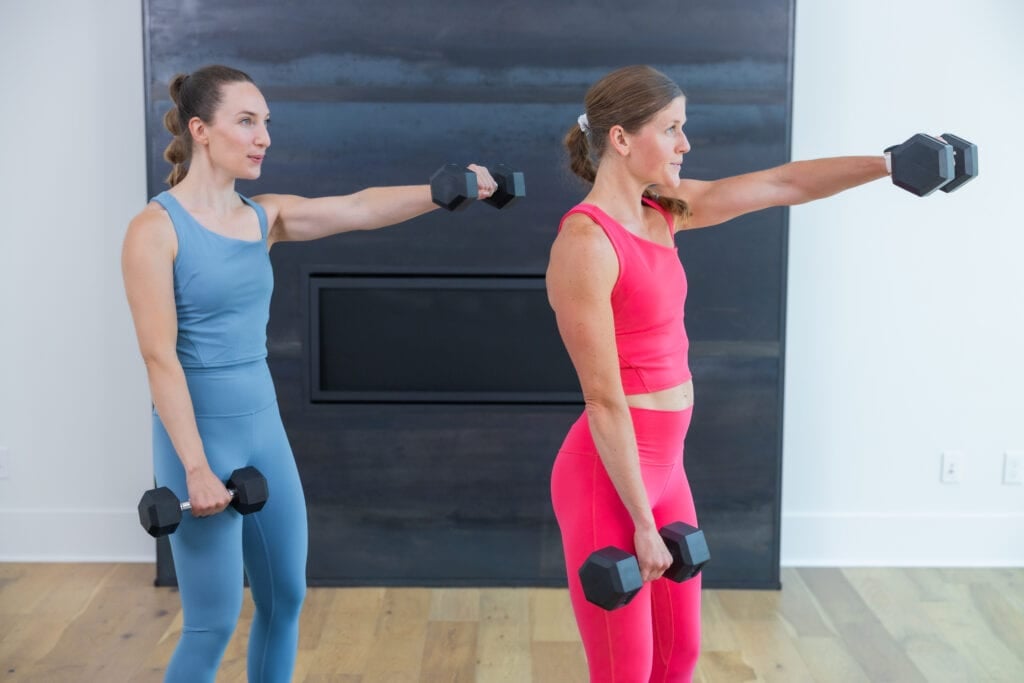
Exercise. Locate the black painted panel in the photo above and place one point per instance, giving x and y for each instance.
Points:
(384, 93)
(436, 339)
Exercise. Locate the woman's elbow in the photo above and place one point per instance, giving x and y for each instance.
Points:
(601, 404)
(159, 361)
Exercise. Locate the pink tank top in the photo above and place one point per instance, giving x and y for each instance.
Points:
(647, 304)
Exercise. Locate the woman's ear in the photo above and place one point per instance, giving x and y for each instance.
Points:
(618, 138)
(197, 128)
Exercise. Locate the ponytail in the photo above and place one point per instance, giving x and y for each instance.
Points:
(677, 207)
(194, 95)
(579, 154)
(179, 151)
(628, 97)
(582, 164)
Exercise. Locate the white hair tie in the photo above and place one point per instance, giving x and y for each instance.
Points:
(584, 123)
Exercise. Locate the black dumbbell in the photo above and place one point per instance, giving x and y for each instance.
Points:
(922, 164)
(160, 510)
(965, 161)
(454, 188)
(611, 576)
(511, 186)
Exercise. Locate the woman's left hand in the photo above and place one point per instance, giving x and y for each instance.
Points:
(485, 183)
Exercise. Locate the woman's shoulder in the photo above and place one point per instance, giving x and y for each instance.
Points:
(152, 215)
(582, 240)
(580, 221)
(273, 203)
(151, 225)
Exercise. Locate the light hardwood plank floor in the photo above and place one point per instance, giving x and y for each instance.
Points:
(106, 622)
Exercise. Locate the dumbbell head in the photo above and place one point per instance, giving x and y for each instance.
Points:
(965, 161)
(922, 164)
(689, 550)
(159, 512)
(610, 578)
(511, 186)
(250, 488)
(452, 187)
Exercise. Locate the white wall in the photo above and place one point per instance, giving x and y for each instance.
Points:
(73, 396)
(904, 314)
(905, 329)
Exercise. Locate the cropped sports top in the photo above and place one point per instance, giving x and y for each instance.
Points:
(222, 289)
(647, 305)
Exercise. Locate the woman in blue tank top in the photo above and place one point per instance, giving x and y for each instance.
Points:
(198, 278)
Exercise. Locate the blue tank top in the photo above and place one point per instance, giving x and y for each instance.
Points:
(222, 289)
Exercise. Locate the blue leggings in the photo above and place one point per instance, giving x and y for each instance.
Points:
(239, 423)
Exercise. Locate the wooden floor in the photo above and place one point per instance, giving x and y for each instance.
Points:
(105, 622)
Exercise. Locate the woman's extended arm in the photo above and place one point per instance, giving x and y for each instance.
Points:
(717, 201)
(295, 218)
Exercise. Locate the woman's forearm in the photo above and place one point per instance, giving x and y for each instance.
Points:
(612, 429)
(818, 178)
(174, 406)
(384, 206)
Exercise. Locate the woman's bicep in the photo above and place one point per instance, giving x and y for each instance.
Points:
(291, 218)
(299, 219)
(580, 278)
(147, 267)
(713, 202)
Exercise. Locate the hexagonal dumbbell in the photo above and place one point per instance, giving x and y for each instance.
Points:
(922, 164)
(160, 510)
(454, 188)
(511, 186)
(611, 576)
(689, 550)
(965, 161)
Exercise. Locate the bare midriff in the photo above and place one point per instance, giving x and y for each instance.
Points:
(679, 397)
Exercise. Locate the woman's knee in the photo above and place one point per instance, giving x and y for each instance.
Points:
(283, 597)
(214, 626)
(291, 596)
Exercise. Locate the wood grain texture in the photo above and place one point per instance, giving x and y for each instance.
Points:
(69, 623)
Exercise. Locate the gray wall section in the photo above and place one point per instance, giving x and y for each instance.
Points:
(383, 93)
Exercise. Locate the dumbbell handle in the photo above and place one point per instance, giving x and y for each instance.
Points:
(187, 505)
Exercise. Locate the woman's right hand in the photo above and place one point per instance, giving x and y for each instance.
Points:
(206, 492)
(651, 553)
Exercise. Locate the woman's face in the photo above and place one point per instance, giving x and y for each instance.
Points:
(657, 149)
(238, 136)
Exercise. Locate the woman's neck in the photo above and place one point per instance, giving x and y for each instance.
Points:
(618, 194)
(204, 188)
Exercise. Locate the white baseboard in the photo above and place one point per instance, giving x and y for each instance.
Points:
(808, 539)
(47, 535)
(902, 540)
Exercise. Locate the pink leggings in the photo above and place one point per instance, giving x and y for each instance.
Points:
(656, 637)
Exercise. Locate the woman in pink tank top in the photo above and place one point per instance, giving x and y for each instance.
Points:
(617, 288)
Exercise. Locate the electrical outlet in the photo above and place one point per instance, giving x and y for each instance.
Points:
(1013, 467)
(952, 463)
(5, 463)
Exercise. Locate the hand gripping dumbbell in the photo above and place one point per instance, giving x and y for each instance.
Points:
(454, 188)
(611, 576)
(160, 510)
(924, 164)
